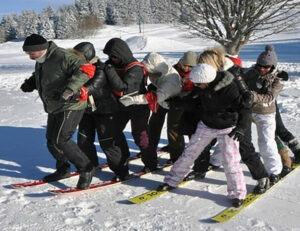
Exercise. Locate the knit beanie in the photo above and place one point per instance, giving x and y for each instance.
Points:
(87, 49)
(189, 59)
(203, 73)
(268, 57)
(35, 42)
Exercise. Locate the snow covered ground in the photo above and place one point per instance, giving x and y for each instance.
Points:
(24, 156)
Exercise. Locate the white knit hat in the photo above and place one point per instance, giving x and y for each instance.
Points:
(203, 73)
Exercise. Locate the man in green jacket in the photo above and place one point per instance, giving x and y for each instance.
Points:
(58, 79)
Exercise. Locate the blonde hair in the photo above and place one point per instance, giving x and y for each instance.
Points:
(214, 57)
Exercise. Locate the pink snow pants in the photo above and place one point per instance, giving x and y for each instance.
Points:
(236, 185)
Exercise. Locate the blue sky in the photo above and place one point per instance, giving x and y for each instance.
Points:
(16, 6)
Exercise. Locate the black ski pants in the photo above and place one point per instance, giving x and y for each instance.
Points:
(103, 124)
(60, 129)
(138, 116)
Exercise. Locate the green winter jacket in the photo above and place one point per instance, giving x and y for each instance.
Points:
(59, 71)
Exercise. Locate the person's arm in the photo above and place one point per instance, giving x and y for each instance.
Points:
(271, 95)
(71, 65)
(29, 84)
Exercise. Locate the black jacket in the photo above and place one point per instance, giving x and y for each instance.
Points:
(219, 106)
(133, 80)
(101, 90)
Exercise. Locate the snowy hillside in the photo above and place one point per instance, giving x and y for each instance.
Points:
(24, 156)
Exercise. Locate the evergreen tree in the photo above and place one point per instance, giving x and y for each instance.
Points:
(46, 26)
(9, 24)
(28, 23)
(67, 22)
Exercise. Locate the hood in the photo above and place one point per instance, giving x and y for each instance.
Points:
(120, 49)
(155, 63)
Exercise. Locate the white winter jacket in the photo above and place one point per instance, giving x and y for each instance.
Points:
(167, 80)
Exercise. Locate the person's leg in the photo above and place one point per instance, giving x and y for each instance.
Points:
(139, 129)
(176, 140)
(236, 185)
(266, 142)
(120, 121)
(202, 137)
(62, 164)
(250, 157)
(86, 137)
(115, 160)
(202, 162)
(286, 136)
(68, 121)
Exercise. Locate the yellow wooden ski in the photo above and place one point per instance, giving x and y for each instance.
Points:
(149, 195)
(231, 212)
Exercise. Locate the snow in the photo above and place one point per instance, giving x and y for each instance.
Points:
(24, 156)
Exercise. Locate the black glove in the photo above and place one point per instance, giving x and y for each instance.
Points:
(27, 86)
(237, 134)
(283, 75)
(66, 95)
(100, 65)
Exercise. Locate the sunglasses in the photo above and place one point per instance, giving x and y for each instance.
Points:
(264, 66)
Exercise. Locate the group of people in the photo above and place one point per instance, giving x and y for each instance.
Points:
(208, 97)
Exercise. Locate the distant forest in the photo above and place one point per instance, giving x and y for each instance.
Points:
(85, 17)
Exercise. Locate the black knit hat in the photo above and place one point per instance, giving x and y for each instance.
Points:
(35, 42)
(87, 49)
(268, 57)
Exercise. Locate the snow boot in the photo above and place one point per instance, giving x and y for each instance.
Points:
(61, 173)
(285, 170)
(194, 175)
(236, 202)
(262, 186)
(274, 178)
(164, 187)
(295, 148)
(148, 169)
(85, 178)
(285, 157)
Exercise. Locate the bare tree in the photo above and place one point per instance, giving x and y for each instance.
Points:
(233, 23)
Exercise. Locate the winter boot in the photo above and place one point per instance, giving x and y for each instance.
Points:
(285, 157)
(237, 202)
(147, 169)
(194, 175)
(295, 148)
(164, 187)
(274, 179)
(285, 170)
(263, 185)
(85, 178)
(61, 173)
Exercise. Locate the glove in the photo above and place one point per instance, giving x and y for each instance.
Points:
(88, 69)
(26, 86)
(151, 98)
(66, 95)
(100, 65)
(187, 85)
(84, 94)
(237, 134)
(130, 100)
(283, 75)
